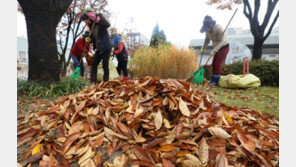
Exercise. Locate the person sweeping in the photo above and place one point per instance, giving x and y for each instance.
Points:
(121, 55)
(215, 33)
(101, 42)
(76, 53)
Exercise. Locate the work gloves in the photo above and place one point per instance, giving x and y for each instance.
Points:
(87, 40)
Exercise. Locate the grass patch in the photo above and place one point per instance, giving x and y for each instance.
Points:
(264, 98)
(44, 90)
(166, 61)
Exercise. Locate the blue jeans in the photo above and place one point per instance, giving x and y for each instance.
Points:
(76, 63)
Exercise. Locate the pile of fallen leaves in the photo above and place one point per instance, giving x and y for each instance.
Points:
(147, 122)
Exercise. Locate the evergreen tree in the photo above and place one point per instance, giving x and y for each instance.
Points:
(157, 37)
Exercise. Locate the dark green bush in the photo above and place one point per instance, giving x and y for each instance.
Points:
(267, 71)
(45, 90)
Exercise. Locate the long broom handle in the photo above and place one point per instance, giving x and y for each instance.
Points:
(203, 47)
(223, 33)
(92, 27)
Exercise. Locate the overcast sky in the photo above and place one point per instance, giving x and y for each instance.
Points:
(180, 20)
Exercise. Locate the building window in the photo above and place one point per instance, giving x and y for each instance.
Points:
(22, 55)
(272, 55)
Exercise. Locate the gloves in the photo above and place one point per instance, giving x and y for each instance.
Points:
(202, 51)
(87, 40)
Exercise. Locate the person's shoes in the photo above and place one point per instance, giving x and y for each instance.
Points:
(211, 81)
(215, 80)
(214, 83)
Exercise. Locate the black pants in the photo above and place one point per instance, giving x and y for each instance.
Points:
(96, 61)
(122, 66)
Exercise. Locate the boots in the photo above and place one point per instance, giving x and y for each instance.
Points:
(215, 80)
(212, 80)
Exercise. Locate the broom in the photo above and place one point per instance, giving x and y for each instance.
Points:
(198, 75)
(77, 70)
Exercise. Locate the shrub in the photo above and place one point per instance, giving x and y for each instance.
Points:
(45, 90)
(267, 71)
(165, 62)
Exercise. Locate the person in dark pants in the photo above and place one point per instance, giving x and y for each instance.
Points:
(121, 55)
(215, 33)
(76, 52)
(101, 42)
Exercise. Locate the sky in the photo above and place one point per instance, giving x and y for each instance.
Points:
(180, 20)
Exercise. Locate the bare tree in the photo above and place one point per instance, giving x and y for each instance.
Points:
(70, 27)
(42, 17)
(258, 30)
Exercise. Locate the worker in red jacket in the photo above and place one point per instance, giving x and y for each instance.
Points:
(76, 52)
(121, 55)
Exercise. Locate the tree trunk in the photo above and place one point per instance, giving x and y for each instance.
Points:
(43, 59)
(42, 17)
(257, 50)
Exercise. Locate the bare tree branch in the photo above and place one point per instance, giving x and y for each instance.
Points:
(270, 8)
(272, 25)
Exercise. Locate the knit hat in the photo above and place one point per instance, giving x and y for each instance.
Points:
(208, 24)
(116, 40)
(89, 13)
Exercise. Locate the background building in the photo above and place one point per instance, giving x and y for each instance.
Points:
(241, 45)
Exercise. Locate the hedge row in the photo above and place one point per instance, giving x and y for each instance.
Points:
(267, 71)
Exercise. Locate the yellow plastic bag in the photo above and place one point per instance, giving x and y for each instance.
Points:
(112, 71)
(239, 81)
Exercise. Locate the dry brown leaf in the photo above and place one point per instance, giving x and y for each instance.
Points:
(167, 163)
(221, 161)
(183, 108)
(166, 123)
(194, 159)
(189, 163)
(76, 127)
(219, 133)
(167, 148)
(138, 112)
(120, 161)
(158, 120)
(246, 142)
(70, 139)
(86, 157)
(203, 151)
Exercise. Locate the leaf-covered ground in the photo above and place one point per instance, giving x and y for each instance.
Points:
(152, 121)
(264, 98)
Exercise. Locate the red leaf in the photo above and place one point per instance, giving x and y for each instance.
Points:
(35, 157)
(28, 134)
(63, 160)
(70, 139)
(247, 143)
(154, 142)
(167, 163)
(141, 154)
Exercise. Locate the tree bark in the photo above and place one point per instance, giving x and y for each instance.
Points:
(42, 17)
(257, 50)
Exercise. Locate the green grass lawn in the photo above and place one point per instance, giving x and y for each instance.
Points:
(264, 98)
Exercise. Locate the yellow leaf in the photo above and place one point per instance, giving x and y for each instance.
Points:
(166, 123)
(184, 109)
(158, 120)
(36, 149)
